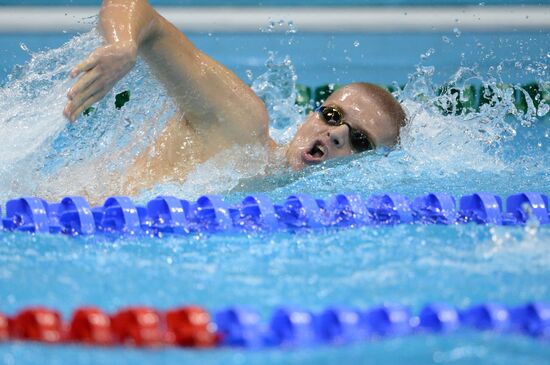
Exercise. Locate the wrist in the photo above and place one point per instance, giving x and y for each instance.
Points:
(127, 48)
(130, 47)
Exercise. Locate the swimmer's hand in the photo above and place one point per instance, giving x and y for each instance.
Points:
(103, 68)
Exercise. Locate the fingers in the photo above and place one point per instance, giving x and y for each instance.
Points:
(86, 104)
(79, 101)
(84, 82)
(85, 65)
(99, 72)
(85, 94)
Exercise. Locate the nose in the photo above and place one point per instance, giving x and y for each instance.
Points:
(337, 135)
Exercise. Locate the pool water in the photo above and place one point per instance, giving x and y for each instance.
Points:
(497, 149)
(320, 58)
(360, 267)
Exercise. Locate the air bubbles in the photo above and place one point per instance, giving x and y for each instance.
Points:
(445, 39)
(457, 32)
(249, 74)
(357, 44)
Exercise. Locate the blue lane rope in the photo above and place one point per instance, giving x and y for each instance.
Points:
(210, 213)
(339, 325)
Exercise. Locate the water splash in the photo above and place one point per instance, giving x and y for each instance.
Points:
(221, 173)
(44, 155)
(277, 88)
(440, 146)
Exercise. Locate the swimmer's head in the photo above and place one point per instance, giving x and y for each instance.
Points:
(363, 108)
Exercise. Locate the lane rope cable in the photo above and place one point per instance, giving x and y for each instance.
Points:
(192, 326)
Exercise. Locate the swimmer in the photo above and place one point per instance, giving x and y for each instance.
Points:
(215, 109)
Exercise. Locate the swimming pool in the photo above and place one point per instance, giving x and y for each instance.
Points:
(407, 264)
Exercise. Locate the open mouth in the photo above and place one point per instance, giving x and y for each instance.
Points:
(315, 154)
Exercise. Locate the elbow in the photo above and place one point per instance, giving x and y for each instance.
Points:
(128, 20)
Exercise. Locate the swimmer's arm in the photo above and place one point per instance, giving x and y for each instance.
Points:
(211, 97)
(208, 93)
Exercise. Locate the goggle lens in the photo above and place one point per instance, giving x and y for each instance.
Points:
(333, 116)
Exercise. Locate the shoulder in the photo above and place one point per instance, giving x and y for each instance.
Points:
(248, 125)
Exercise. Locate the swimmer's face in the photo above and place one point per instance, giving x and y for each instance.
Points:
(370, 110)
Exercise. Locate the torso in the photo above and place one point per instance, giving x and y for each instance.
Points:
(180, 148)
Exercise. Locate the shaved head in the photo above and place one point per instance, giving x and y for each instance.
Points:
(390, 107)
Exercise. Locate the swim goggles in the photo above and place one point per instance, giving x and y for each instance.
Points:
(334, 116)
